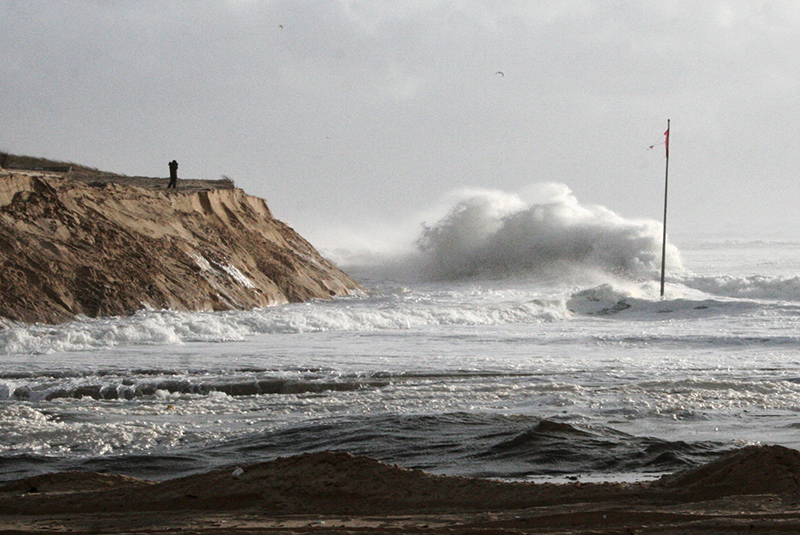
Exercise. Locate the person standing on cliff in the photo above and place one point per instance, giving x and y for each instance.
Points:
(173, 175)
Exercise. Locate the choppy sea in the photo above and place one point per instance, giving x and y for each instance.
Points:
(518, 340)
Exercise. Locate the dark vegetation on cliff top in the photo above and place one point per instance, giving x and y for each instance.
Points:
(92, 175)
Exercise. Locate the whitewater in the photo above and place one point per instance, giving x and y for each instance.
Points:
(517, 336)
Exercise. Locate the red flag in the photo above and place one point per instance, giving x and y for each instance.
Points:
(666, 142)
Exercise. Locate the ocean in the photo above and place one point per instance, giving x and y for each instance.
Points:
(512, 339)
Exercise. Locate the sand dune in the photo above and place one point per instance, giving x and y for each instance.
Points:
(100, 245)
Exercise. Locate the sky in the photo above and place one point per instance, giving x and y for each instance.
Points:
(359, 116)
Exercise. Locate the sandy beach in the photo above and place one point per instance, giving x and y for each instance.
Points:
(752, 490)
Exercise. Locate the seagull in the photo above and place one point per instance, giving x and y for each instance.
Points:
(501, 73)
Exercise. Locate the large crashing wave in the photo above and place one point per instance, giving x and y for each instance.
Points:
(492, 233)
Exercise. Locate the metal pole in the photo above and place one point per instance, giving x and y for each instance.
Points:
(664, 237)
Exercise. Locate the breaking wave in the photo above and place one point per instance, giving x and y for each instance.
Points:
(386, 309)
(544, 232)
(495, 233)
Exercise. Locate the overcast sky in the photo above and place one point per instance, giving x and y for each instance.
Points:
(346, 114)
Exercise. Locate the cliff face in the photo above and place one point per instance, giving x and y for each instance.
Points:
(103, 248)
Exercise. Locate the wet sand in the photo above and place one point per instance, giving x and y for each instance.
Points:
(752, 490)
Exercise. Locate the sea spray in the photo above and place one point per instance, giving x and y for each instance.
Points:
(542, 232)
(490, 234)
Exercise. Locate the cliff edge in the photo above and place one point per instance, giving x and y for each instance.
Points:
(112, 245)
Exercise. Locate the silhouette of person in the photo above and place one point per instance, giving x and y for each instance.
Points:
(173, 175)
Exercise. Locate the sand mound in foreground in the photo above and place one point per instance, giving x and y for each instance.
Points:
(340, 483)
(751, 470)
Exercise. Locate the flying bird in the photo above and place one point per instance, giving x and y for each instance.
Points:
(501, 73)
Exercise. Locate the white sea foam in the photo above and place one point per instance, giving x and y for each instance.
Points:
(544, 232)
(750, 287)
(27, 429)
(491, 233)
(386, 309)
(398, 308)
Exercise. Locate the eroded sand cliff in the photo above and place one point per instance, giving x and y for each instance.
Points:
(111, 247)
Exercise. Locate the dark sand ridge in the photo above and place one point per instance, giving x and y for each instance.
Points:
(751, 490)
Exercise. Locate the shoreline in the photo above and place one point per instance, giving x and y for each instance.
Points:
(753, 489)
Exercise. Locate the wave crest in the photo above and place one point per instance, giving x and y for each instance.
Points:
(492, 233)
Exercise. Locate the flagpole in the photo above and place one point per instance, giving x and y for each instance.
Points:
(664, 237)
